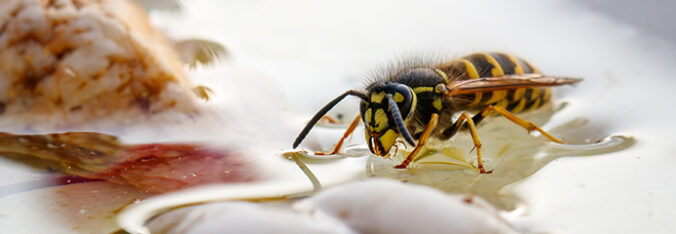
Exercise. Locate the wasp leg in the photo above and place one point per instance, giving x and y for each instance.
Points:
(480, 116)
(475, 137)
(421, 141)
(448, 133)
(529, 126)
(347, 133)
(330, 119)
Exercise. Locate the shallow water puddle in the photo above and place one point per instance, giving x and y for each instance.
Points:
(508, 150)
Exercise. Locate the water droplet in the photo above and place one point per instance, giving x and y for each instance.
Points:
(95, 191)
(82, 211)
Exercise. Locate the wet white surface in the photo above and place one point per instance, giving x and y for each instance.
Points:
(364, 207)
(309, 52)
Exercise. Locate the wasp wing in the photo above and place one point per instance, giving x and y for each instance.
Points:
(508, 82)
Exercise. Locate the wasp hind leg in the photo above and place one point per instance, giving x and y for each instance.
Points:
(431, 125)
(347, 133)
(472, 122)
(529, 126)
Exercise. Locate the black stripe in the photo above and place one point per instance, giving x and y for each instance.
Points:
(510, 95)
(485, 96)
(527, 94)
(506, 63)
(531, 103)
(483, 67)
(526, 68)
(513, 105)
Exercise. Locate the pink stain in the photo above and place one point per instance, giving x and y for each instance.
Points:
(87, 156)
(168, 167)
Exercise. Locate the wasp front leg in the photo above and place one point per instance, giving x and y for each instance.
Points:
(347, 133)
(421, 141)
(330, 119)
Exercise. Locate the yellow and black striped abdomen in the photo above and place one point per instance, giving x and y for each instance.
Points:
(481, 65)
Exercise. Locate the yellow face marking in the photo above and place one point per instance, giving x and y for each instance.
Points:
(377, 97)
(536, 94)
(368, 138)
(414, 102)
(518, 69)
(518, 94)
(367, 115)
(471, 70)
(387, 140)
(497, 69)
(437, 103)
(423, 89)
(398, 97)
(497, 96)
(519, 107)
(366, 134)
(381, 121)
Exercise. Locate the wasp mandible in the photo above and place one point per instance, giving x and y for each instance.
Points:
(420, 101)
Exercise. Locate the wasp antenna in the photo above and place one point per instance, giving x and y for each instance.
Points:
(398, 120)
(323, 112)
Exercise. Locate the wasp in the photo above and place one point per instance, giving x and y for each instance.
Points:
(422, 101)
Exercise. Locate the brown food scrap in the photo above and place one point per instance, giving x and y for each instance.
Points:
(93, 56)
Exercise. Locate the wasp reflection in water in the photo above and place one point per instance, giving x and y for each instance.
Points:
(514, 156)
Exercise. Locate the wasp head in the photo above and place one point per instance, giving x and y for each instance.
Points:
(388, 104)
